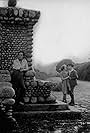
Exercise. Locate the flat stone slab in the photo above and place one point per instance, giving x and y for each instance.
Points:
(54, 115)
(77, 108)
(58, 106)
(55, 111)
(51, 112)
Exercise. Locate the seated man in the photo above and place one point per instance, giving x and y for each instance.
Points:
(20, 66)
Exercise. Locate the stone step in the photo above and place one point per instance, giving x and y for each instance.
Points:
(42, 107)
(58, 110)
(58, 115)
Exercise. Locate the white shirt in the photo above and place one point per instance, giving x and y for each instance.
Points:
(20, 64)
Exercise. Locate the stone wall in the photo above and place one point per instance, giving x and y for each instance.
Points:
(16, 31)
(16, 34)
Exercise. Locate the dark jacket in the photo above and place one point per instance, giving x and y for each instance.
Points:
(73, 78)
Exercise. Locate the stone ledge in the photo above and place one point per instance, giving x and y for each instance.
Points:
(59, 106)
(15, 15)
(59, 115)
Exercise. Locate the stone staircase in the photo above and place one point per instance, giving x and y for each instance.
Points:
(37, 118)
(57, 106)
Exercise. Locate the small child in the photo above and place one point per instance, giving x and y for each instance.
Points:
(65, 81)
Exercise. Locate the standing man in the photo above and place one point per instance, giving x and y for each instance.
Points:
(72, 81)
(20, 66)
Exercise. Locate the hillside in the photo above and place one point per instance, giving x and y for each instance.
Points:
(83, 70)
(47, 71)
(52, 69)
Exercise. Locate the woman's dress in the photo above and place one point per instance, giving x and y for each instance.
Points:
(64, 74)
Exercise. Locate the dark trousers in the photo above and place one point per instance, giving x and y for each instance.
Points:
(18, 84)
(71, 93)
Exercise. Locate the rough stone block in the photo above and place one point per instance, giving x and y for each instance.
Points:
(8, 101)
(5, 78)
(33, 99)
(30, 73)
(41, 99)
(50, 99)
(5, 84)
(6, 92)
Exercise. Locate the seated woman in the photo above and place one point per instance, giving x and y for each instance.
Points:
(20, 66)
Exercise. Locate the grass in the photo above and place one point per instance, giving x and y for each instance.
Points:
(81, 92)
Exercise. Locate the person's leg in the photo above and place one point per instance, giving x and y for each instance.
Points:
(15, 84)
(21, 86)
(64, 98)
(72, 96)
(18, 84)
(14, 79)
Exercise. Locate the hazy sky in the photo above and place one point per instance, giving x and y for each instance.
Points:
(63, 29)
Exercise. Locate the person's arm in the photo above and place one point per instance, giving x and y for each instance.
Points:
(15, 65)
(62, 77)
(25, 66)
(66, 78)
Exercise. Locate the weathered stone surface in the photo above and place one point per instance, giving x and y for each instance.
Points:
(50, 99)
(5, 78)
(4, 72)
(30, 63)
(41, 99)
(29, 46)
(30, 73)
(18, 15)
(33, 83)
(8, 101)
(33, 99)
(6, 92)
(40, 83)
(26, 99)
(28, 78)
(5, 84)
(16, 26)
(12, 3)
(29, 59)
(27, 83)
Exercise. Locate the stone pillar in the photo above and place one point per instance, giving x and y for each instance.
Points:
(16, 34)
(16, 31)
(7, 94)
